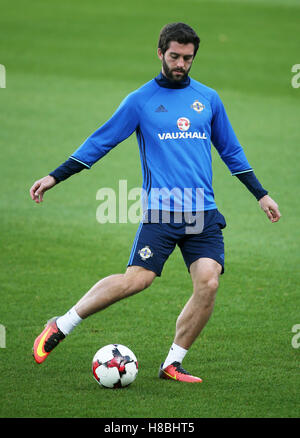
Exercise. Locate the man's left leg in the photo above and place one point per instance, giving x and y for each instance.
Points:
(205, 273)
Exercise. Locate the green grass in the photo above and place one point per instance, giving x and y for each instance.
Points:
(68, 66)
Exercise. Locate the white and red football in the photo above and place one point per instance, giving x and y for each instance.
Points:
(115, 366)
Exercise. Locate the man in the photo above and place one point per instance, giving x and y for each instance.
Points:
(175, 119)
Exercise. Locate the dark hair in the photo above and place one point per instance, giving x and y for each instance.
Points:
(179, 32)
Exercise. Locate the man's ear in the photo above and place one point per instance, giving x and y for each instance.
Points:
(160, 54)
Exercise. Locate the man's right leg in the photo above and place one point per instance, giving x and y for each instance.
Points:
(104, 293)
(114, 288)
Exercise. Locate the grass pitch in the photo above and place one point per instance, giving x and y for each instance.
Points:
(68, 66)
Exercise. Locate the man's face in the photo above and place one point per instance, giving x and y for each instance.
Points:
(177, 60)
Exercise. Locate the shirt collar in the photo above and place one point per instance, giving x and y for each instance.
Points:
(164, 82)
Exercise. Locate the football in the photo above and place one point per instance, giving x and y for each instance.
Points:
(114, 366)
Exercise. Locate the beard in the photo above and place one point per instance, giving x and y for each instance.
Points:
(172, 75)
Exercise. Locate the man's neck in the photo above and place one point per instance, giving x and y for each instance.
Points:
(165, 82)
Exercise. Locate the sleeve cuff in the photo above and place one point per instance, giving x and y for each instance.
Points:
(249, 179)
(67, 169)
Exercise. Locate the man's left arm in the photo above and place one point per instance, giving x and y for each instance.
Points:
(232, 153)
(270, 207)
(267, 204)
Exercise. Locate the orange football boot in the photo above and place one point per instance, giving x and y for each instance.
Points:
(47, 340)
(176, 372)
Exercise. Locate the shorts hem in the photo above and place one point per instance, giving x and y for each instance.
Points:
(207, 257)
(158, 273)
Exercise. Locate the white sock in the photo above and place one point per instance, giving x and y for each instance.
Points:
(69, 321)
(176, 354)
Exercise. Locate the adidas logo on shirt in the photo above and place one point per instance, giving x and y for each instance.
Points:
(161, 109)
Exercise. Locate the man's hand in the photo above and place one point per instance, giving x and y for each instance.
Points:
(270, 208)
(40, 187)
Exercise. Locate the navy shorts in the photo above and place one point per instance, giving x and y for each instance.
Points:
(155, 241)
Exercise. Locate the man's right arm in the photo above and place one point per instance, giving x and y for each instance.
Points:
(120, 126)
(64, 171)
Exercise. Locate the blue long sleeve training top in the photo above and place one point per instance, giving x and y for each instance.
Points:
(174, 128)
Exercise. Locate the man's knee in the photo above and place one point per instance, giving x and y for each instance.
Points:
(210, 283)
(205, 274)
(205, 292)
(137, 278)
(206, 282)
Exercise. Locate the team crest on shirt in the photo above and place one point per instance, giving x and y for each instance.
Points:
(145, 253)
(183, 124)
(198, 106)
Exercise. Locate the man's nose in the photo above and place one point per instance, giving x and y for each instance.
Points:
(180, 62)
